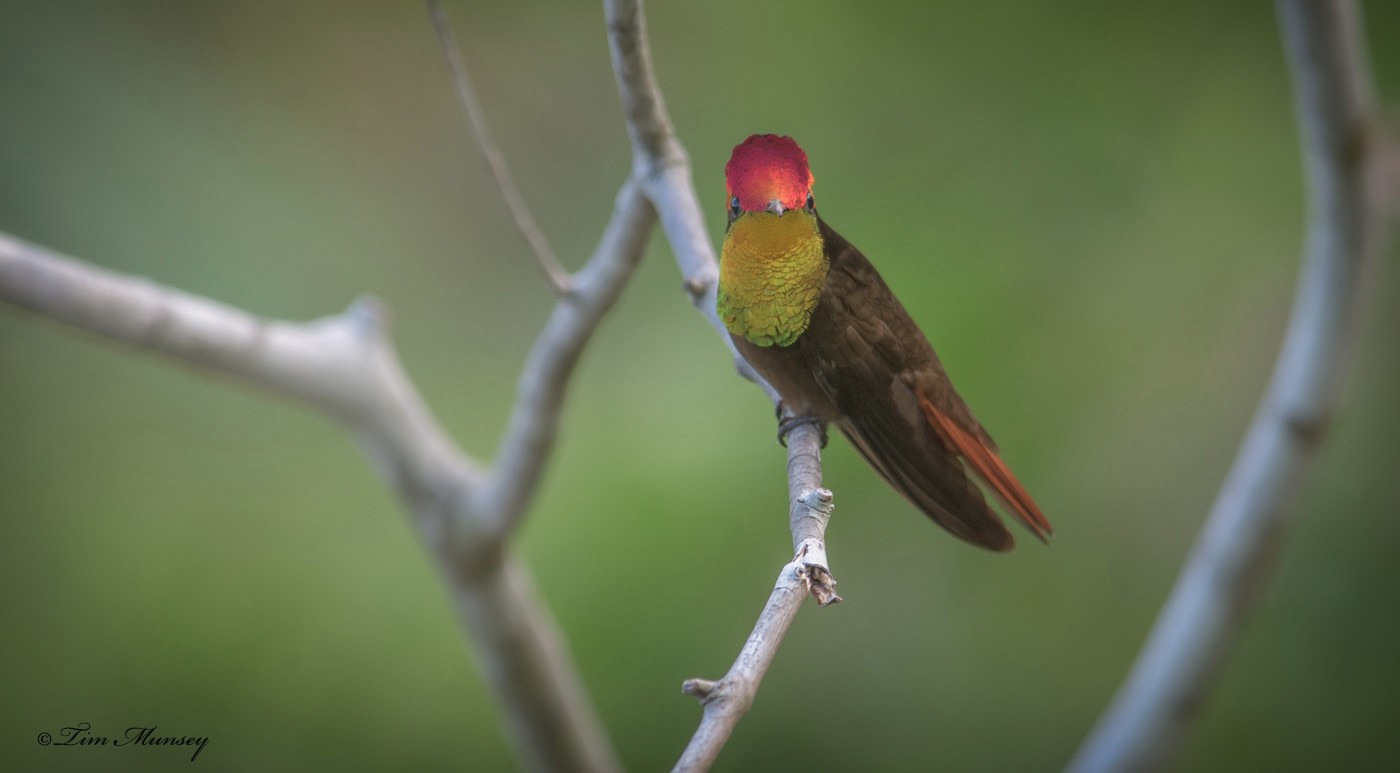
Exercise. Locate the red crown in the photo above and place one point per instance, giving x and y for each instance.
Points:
(766, 167)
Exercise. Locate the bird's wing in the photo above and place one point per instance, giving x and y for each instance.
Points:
(899, 408)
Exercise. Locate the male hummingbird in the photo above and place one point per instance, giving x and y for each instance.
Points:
(814, 318)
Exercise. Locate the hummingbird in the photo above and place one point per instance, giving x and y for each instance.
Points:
(813, 317)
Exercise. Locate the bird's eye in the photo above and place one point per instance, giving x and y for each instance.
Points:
(734, 205)
(810, 203)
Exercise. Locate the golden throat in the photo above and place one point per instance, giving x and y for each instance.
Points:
(771, 272)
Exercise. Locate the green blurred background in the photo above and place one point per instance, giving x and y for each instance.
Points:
(1093, 208)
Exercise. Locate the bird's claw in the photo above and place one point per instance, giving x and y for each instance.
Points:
(787, 424)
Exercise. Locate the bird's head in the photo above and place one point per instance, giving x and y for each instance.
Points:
(768, 173)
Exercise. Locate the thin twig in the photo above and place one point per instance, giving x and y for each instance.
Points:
(1227, 569)
(534, 420)
(525, 223)
(726, 701)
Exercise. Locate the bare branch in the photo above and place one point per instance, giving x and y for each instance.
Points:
(345, 366)
(525, 223)
(725, 702)
(534, 421)
(653, 136)
(1333, 102)
(525, 658)
(662, 166)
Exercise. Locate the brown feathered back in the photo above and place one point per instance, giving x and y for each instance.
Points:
(897, 406)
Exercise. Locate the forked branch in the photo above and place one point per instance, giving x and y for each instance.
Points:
(345, 366)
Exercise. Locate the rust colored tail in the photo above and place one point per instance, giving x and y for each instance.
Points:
(980, 454)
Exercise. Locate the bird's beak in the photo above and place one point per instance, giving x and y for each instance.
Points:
(776, 207)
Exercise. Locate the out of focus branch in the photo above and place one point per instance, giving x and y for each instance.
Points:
(662, 167)
(1227, 568)
(505, 182)
(534, 421)
(345, 366)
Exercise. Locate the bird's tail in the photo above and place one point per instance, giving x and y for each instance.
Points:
(981, 455)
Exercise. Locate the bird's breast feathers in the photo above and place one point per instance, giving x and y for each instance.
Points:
(772, 269)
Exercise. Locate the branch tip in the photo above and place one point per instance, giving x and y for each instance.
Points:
(368, 316)
(814, 572)
(700, 689)
(822, 586)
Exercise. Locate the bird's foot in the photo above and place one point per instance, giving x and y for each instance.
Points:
(787, 423)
